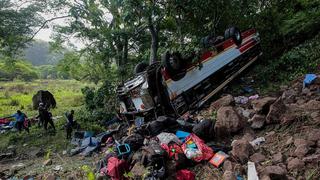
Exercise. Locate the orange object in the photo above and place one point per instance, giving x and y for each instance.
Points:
(218, 158)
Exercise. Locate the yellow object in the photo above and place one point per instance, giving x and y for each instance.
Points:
(89, 172)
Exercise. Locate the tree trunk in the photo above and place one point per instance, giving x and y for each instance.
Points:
(154, 42)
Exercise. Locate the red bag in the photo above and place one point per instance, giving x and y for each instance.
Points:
(206, 151)
(185, 174)
(26, 123)
(116, 168)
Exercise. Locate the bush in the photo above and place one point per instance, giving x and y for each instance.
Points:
(99, 104)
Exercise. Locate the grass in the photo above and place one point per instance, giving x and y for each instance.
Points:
(16, 95)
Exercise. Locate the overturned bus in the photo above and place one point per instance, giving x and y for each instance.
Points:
(178, 85)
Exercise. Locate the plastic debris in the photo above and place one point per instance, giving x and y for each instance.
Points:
(239, 177)
(123, 148)
(166, 138)
(254, 97)
(241, 100)
(218, 158)
(256, 143)
(182, 135)
(308, 80)
(252, 172)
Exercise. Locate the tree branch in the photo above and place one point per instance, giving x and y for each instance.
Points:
(44, 24)
(41, 27)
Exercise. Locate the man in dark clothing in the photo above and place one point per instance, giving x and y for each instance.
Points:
(21, 118)
(45, 117)
(70, 123)
(40, 120)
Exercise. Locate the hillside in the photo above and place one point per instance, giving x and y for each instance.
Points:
(38, 53)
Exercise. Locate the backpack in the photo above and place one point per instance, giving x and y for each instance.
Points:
(115, 168)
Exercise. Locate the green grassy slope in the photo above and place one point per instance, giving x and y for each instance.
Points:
(18, 95)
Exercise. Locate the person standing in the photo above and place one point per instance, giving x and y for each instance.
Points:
(70, 123)
(39, 117)
(45, 117)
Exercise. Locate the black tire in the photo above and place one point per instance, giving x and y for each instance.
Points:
(140, 67)
(174, 65)
(235, 34)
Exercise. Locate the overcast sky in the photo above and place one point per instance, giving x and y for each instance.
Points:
(45, 34)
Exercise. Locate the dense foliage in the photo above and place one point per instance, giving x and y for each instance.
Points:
(120, 33)
(19, 70)
(123, 33)
(100, 103)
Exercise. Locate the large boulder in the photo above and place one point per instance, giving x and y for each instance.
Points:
(228, 121)
(262, 105)
(277, 109)
(224, 101)
(241, 149)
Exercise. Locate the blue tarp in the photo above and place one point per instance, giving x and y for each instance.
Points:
(309, 78)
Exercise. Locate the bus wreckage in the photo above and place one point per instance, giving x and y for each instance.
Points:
(178, 85)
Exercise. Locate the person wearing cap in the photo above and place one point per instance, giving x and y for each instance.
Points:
(20, 118)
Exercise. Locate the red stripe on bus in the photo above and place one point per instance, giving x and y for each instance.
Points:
(246, 46)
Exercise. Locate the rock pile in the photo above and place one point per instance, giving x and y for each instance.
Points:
(289, 123)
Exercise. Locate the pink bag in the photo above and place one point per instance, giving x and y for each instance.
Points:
(115, 169)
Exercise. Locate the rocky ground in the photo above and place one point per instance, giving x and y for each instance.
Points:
(288, 123)
(37, 163)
